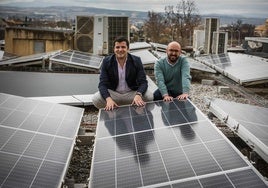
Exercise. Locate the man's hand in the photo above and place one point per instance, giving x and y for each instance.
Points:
(138, 101)
(110, 104)
(167, 98)
(182, 96)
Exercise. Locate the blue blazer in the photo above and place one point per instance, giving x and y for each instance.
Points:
(135, 75)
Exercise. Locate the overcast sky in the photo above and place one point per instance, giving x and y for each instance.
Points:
(256, 8)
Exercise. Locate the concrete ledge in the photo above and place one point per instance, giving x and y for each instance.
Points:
(208, 82)
(224, 89)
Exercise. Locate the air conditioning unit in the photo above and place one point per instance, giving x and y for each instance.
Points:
(84, 39)
(219, 43)
(106, 29)
(95, 34)
(211, 25)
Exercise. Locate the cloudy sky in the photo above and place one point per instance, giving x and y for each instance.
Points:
(256, 8)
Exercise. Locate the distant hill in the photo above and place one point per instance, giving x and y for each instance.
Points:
(67, 12)
(229, 19)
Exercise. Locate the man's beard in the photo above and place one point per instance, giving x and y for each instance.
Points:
(121, 56)
(172, 58)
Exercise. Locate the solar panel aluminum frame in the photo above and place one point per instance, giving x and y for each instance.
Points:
(34, 129)
(238, 128)
(54, 59)
(65, 170)
(197, 177)
(146, 56)
(73, 100)
(231, 73)
(28, 60)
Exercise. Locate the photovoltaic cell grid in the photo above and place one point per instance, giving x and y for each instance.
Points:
(219, 62)
(146, 56)
(248, 121)
(36, 141)
(241, 68)
(166, 144)
(78, 58)
(28, 58)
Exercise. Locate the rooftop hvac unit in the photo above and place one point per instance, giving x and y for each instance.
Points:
(95, 34)
(117, 26)
(106, 29)
(84, 34)
(211, 25)
(219, 44)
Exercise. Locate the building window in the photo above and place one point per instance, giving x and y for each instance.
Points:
(39, 47)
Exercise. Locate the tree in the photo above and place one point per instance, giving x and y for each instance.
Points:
(64, 24)
(154, 27)
(177, 23)
(183, 19)
(238, 31)
(247, 30)
(235, 31)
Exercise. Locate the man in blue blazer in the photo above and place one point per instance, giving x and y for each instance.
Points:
(122, 79)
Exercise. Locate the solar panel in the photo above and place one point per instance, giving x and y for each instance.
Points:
(241, 68)
(146, 56)
(194, 64)
(199, 66)
(159, 47)
(139, 45)
(78, 58)
(40, 84)
(166, 144)
(28, 58)
(36, 141)
(248, 121)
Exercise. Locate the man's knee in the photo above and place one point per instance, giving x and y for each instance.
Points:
(98, 100)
